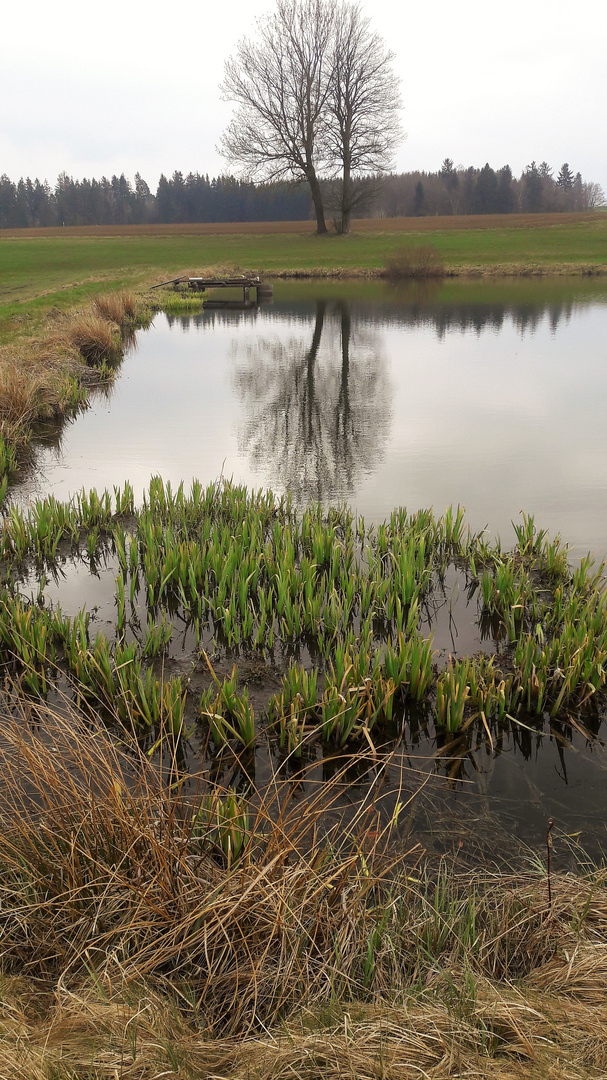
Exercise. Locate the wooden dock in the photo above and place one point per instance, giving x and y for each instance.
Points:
(263, 289)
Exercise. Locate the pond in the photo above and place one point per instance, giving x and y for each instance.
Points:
(486, 394)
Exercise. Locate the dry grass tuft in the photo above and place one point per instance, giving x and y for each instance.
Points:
(103, 1031)
(94, 338)
(24, 393)
(116, 307)
(34, 376)
(141, 882)
(31, 382)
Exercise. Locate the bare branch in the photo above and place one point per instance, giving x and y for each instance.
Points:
(280, 85)
(314, 92)
(364, 106)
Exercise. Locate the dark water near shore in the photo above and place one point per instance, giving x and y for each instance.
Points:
(490, 395)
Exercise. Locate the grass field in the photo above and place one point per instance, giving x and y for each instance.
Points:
(64, 268)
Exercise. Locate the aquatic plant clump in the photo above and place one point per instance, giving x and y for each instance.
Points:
(337, 607)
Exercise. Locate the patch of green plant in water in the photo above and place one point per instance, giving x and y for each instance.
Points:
(249, 574)
(8, 466)
(181, 301)
(229, 713)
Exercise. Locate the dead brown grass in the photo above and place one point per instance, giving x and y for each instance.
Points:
(31, 382)
(134, 945)
(34, 375)
(94, 338)
(139, 888)
(104, 1031)
(116, 307)
(23, 394)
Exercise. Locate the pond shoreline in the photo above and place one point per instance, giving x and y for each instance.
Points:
(499, 270)
(276, 925)
(355, 960)
(46, 369)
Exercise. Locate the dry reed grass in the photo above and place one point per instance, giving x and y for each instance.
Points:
(135, 943)
(116, 307)
(31, 381)
(33, 377)
(24, 393)
(139, 884)
(94, 337)
(104, 1031)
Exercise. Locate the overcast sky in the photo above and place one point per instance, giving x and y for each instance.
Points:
(126, 86)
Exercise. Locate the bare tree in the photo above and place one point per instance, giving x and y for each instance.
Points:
(280, 84)
(592, 196)
(363, 107)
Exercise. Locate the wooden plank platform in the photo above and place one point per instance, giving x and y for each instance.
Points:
(201, 284)
(223, 283)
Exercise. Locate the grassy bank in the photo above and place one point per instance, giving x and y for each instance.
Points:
(44, 269)
(46, 377)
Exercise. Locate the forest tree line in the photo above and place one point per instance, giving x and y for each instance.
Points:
(193, 198)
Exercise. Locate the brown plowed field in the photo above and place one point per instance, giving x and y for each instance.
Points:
(371, 225)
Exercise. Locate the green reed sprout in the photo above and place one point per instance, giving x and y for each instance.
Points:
(452, 692)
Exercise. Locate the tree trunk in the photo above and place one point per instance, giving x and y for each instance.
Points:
(346, 201)
(321, 226)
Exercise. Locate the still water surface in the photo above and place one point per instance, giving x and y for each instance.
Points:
(493, 397)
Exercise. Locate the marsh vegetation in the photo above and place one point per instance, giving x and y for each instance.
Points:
(223, 709)
(148, 929)
(228, 848)
(257, 637)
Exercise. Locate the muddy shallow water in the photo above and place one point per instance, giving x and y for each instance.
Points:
(489, 395)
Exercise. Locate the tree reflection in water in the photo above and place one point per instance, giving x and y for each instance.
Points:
(318, 410)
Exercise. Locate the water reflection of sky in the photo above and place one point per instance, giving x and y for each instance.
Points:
(500, 408)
